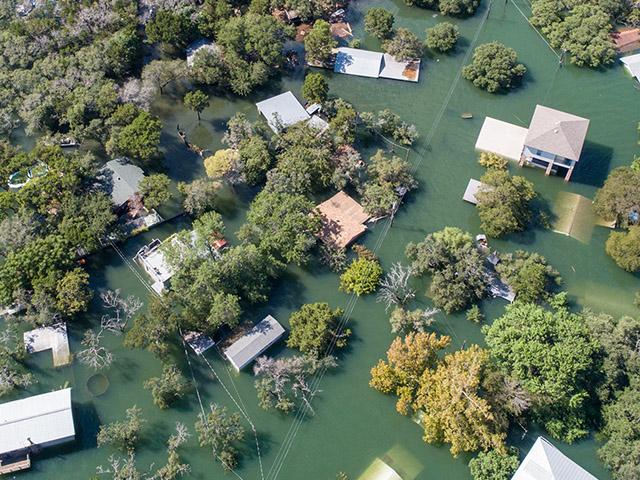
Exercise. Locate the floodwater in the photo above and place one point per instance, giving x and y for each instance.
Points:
(352, 425)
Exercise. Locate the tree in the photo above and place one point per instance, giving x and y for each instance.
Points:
(390, 125)
(200, 196)
(123, 52)
(362, 276)
(407, 359)
(624, 248)
(451, 397)
(404, 321)
(122, 435)
(491, 160)
(404, 46)
(503, 202)
(197, 101)
(531, 278)
(343, 124)
(379, 23)
(280, 382)
(221, 163)
(493, 465)
(155, 329)
(379, 200)
(238, 130)
(73, 292)
(94, 354)
(494, 68)
(319, 43)
(161, 73)
(442, 37)
(255, 159)
(86, 219)
(175, 29)
(560, 380)
(138, 140)
(456, 266)
(315, 88)
(620, 453)
(13, 375)
(169, 387)
(315, 327)
(395, 288)
(619, 198)
(458, 7)
(155, 190)
(220, 431)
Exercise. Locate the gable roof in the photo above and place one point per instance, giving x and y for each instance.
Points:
(122, 180)
(353, 61)
(244, 350)
(40, 420)
(282, 110)
(342, 220)
(632, 65)
(557, 132)
(546, 462)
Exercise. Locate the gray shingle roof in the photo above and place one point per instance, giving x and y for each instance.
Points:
(557, 132)
(122, 180)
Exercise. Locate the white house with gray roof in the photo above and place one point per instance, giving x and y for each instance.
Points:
(546, 462)
(248, 347)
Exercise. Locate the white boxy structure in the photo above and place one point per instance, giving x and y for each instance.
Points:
(248, 347)
(366, 63)
(282, 111)
(546, 462)
(33, 423)
(632, 65)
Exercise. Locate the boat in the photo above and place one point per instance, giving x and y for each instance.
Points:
(466, 115)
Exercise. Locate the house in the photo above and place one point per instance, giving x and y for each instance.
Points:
(342, 220)
(122, 181)
(282, 111)
(626, 40)
(554, 140)
(248, 347)
(31, 424)
(546, 462)
(632, 65)
(366, 63)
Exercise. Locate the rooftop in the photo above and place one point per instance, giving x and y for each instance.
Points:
(52, 338)
(244, 350)
(353, 61)
(122, 180)
(42, 420)
(557, 132)
(282, 111)
(632, 65)
(502, 138)
(546, 462)
(470, 193)
(342, 220)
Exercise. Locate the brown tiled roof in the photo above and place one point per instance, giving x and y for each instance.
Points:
(342, 220)
(557, 132)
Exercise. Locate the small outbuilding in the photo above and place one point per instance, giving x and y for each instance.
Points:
(248, 347)
(366, 63)
(546, 462)
(470, 193)
(632, 65)
(282, 111)
(31, 424)
(343, 220)
(52, 337)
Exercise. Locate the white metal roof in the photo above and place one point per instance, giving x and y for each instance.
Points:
(632, 65)
(396, 70)
(43, 419)
(470, 193)
(502, 138)
(282, 110)
(354, 61)
(546, 462)
(244, 350)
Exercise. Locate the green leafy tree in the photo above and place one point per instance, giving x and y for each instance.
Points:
(343, 125)
(221, 163)
(404, 45)
(197, 101)
(255, 158)
(155, 190)
(170, 387)
(73, 292)
(494, 68)
(624, 248)
(315, 88)
(493, 465)
(442, 37)
(154, 330)
(532, 279)
(122, 435)
(458, 7)
(561, 380)
(314, 327)
(456, 267)
(504, 203)
(138, 140)
(379, 23)
(123, 52)
(492, 160)
(319, 43)
(220, 432)
(86, 219)
(169, 27)
(619, 198)
(362, 276)
(200, 196)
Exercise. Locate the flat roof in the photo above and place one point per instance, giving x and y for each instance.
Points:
(557, 132)
(353, 61)
(282, 110)
(342, 220)
(54, 338)
(395, 70)
(244, 350)
(502, 138)
(37, 420)
(546, 462)
(470, 193)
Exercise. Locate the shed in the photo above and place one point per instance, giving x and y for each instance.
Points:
(502, 138)
(39, 421)
(244, 350)
(546, 462)
(472, 189)
(556, 132)
(282, 111)
(342, 220)
(54, 338)
(121, 180)
(632, 65)
(199, 342)
(353, 61)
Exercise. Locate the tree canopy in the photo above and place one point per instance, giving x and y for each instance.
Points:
(314, 327)
(442, 37)
(494, 68)
(379, 22)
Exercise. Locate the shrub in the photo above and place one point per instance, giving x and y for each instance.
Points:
(442, 37)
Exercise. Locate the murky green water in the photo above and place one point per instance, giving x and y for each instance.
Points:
(353, 425)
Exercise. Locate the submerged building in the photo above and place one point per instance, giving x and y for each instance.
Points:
(248, 347)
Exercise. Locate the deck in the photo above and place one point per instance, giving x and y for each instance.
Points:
(16, 466)
(52, 338)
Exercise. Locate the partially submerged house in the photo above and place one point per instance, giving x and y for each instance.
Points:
(366, 63)
(546, 462)
(626, 40)
(284, 110)
(31, 424)
(51, 337)
(553, 141)
(632, 65)
(343, 220)
(248, 347)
